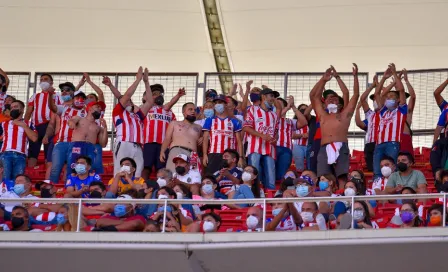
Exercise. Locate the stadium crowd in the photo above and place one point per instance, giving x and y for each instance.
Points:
(225, 149)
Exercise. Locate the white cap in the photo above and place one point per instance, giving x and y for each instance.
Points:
(125, 196)
(181, 157)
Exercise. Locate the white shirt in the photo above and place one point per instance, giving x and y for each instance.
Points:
(192, 177)
(10, 205)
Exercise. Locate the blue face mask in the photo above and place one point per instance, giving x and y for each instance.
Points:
(302, 190)
(254, 97)
(275, 212)
(209, 113)
(66, 98)
(268, 106)
(120, 210)
(80, 169)
(207, 188)
(323, 185)
(60, 218)
(19, 189)
(168, 209)
(390, 103)
(219, 108)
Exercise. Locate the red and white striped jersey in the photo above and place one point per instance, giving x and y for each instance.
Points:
(265, 122)
(285, 129)
(372, 119)
(66, 133)
(3, 96)
(391, 124)
(156, 124)
(222, 133)
(128, 125)
(379, 184)
(42, 113)
(14, 137)
(286, 224)
(46, 216)
(301, 141)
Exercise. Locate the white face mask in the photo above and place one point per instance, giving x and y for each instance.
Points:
(375, 105)
(129, 108)
(161, 182)
(44, 86)
(246, 176)
(126, 169)
(163, 197)
(307, 217)
(386, 171)
(179, 195)
(252, 222)
(358, 215)
(208, 226)
(332, 108)
(349, 192)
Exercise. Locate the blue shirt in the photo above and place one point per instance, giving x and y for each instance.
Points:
(225, 182)
(443, 118)
(77, 183)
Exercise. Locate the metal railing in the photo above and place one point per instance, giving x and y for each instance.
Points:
(263, 201)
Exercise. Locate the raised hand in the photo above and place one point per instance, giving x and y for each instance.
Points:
(393, 69)
(83, 80)
(334, 72)
(249, 83)
(240, 90)
(388, 73)
(290, 100)
(103, 123)
(375, 81)
(405, 74)
(139, 75)
(234, 87)
(264, 86)
(181, 92)
(86, 77)
(145, 75)
(106, 81)
(355, 69)
(328, 74)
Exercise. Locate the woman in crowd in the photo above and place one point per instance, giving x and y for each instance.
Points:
(250, 188)
(409, 216)
(285, 217)
(183, 192)
(210, 223)
(362, 217)
(435, 214)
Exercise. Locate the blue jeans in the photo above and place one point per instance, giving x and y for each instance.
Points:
(59, 156)
(266, 168)
(97, 161)
(283, 162)
(299, 152)
(389, 149)
(13, 164)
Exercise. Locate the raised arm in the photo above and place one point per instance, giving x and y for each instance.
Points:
(301, 119)
(131, 90)
(174, 100)
(6, 77)
(149, 100)
(365, 94)
(95, 87)
(359, 122)
(379, 87)
(438, 92)
(103, 139)
(81, 83)
(113, 89)
(413, 97)
(398, 84)
(350, 109)
(316, 93)
(342, 86)
(246, 97)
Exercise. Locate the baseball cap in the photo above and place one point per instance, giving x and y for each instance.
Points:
(328, 92)
(67, 84)
(157, 87)
(93, 103)
(305, 179)
(125, 196)
(220, 98)
(266, 91)
(398, 94)
(183, 157)
(211, 92)
(80, 93)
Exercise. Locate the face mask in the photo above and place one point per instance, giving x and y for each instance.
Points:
(349, 192)
(159, 100)
(225, 164)
(390, 104)
(302, 111)
(209, 113)
(407, 217)
(323, 185)
(180, 195)
(66, 98)
(332, 108)
(7, 106)
(130, 108)
(358, 215)
(208, 226)
(402, 166)
(45, 193)
(181, 170)
(162, 209)
(252, 222)
(161, 182)
(219, 108)
(79, 103)
(44, 86)
(80, 169)
(375, 105)
(207, 189)
(163, 197)
(17, 222)
(302, 190)
(120, 210)
(386, 171)
(254, 97)
(14, 114)
(268, 106)
(307, 217)
(246, 176)
(276, 212)
(190, 118)
(88, 101)
(19, 189)
(126, 169)
(435, 220)
(60, 218)
(444, 187)
(96, 194)
(96, 115)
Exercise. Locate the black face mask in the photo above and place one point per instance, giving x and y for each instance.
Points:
(7, 106)
(96, 115)
(181, 170)
(444, 187)
(191, 118)
(302, 111)
(14, 114)
(96, 194)
(402, 166)
(159, 100)
(4, 89)
(17, 222)
(225, 164)
(45, 193)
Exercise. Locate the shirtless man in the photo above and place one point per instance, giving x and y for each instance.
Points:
(182, 137)
(334, 126)
(87, 131)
